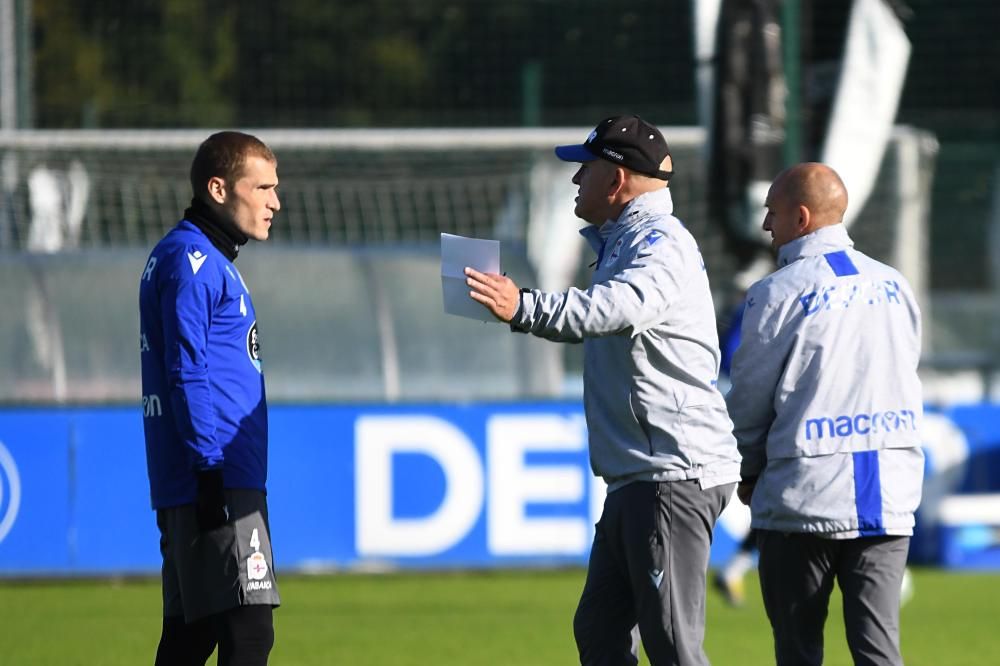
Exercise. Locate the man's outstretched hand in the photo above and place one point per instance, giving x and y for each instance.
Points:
(497, 292)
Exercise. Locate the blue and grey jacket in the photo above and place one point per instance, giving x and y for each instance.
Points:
(826, 400)
(651, 351)
(202, 387)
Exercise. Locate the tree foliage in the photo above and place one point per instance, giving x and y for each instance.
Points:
(323, 63)
(159, 63)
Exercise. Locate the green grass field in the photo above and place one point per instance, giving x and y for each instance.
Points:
(518, 618)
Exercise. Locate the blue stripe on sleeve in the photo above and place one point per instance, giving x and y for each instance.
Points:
(868, 493)
(841, 263)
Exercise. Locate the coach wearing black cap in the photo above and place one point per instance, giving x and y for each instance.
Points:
(660, 435)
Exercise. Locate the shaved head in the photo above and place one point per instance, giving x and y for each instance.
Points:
(817, 187)
(802, 199)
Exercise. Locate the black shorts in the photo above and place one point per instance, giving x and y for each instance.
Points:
(211, 572)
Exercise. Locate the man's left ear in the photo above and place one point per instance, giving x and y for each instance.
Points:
(804, 218)
(617, 183)
(217, 189)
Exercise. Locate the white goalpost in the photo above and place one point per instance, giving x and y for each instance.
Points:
(80, 209)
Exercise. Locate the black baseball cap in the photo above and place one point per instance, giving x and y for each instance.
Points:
(626, 140)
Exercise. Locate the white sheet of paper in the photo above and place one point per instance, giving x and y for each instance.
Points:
(457, 252)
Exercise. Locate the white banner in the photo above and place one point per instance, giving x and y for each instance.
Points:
(871, 80)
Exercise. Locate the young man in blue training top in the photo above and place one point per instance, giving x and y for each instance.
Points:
(205, 413)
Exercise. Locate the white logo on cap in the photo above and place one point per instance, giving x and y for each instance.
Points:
(593, 135)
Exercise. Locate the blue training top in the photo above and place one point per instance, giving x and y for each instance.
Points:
(203, 397)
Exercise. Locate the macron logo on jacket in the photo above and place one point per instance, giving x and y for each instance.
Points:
(197, 259)
(862, 424)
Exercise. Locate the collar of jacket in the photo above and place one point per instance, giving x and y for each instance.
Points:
(821, 241)
(221, 232)
(655, 202)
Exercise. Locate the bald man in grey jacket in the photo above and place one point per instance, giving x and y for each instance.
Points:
(659, 432)
(827, 407)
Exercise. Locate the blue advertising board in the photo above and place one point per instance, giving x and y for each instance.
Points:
(387, 486)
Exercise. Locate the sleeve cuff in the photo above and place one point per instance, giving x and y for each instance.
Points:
(520, 323)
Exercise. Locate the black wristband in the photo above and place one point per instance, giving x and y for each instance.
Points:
(516, 327)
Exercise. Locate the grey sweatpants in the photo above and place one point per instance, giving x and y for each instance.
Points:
(647, 566)
(796, 578)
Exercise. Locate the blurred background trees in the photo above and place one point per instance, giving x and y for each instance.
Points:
(470, 63)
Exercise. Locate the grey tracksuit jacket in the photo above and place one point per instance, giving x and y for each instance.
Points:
(651, 351)
(826, 400)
